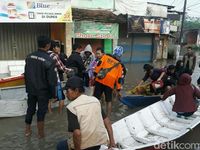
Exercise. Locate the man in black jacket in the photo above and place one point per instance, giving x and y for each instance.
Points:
(75, 61)
(40, 80)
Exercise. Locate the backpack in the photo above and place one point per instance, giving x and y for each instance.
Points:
(103, 71)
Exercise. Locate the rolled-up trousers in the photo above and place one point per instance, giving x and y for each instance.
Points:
(42, 102)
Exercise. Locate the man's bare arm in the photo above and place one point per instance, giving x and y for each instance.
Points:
(77, 139)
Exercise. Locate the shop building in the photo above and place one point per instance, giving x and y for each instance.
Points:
(22, 22)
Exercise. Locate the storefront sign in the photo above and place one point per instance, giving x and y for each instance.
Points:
(95, 30)
(138, 24)
(165, 27)
(35, 11)
(135, 24)
(152, 26)
(173, 28)
(174, 25)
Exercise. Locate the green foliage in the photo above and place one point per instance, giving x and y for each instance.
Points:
(196, 48)
(192, 23)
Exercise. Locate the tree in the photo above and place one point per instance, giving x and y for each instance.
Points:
(192, 23)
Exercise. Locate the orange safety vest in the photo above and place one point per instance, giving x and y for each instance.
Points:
(113, 77)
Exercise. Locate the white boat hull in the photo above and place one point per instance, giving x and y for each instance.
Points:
(152, 126)
(13, 101)
(12, 108)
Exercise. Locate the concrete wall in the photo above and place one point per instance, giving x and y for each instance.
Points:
(156, 10)
(93, 4)
(162, 47)
(126, 44)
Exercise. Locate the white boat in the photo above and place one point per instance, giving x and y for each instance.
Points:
(12, 81)
(13, 101)
(152, 126)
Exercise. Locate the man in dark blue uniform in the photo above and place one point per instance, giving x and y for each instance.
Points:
(40, 80)
(75, 61)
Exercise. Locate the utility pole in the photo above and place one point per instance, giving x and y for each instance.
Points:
(114, 9)
(182, 23)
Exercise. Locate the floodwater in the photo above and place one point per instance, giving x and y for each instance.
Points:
(12, 129)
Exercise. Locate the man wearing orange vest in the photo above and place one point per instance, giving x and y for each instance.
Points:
(112, 78)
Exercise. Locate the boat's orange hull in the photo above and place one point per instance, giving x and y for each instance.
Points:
(12, 81)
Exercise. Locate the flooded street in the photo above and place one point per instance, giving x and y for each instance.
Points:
(42, 39)
(12, 129)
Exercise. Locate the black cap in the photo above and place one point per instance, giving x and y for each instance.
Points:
(170, 67)
(74, 82)
(147, 67)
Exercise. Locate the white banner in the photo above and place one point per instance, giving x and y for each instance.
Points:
(35, 11)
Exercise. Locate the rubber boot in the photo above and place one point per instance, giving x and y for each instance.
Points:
(28, 130)
(40, 126)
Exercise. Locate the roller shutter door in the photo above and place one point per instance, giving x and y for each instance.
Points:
(142, 48)
(19, 39)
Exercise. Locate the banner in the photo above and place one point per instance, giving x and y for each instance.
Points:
(95, 30)
(152, 26)
(135, 24)
(12, 11)
(174, 25)
(165, 27)
(139, 24)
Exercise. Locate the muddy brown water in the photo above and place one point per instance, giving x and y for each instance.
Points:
(12, 129)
